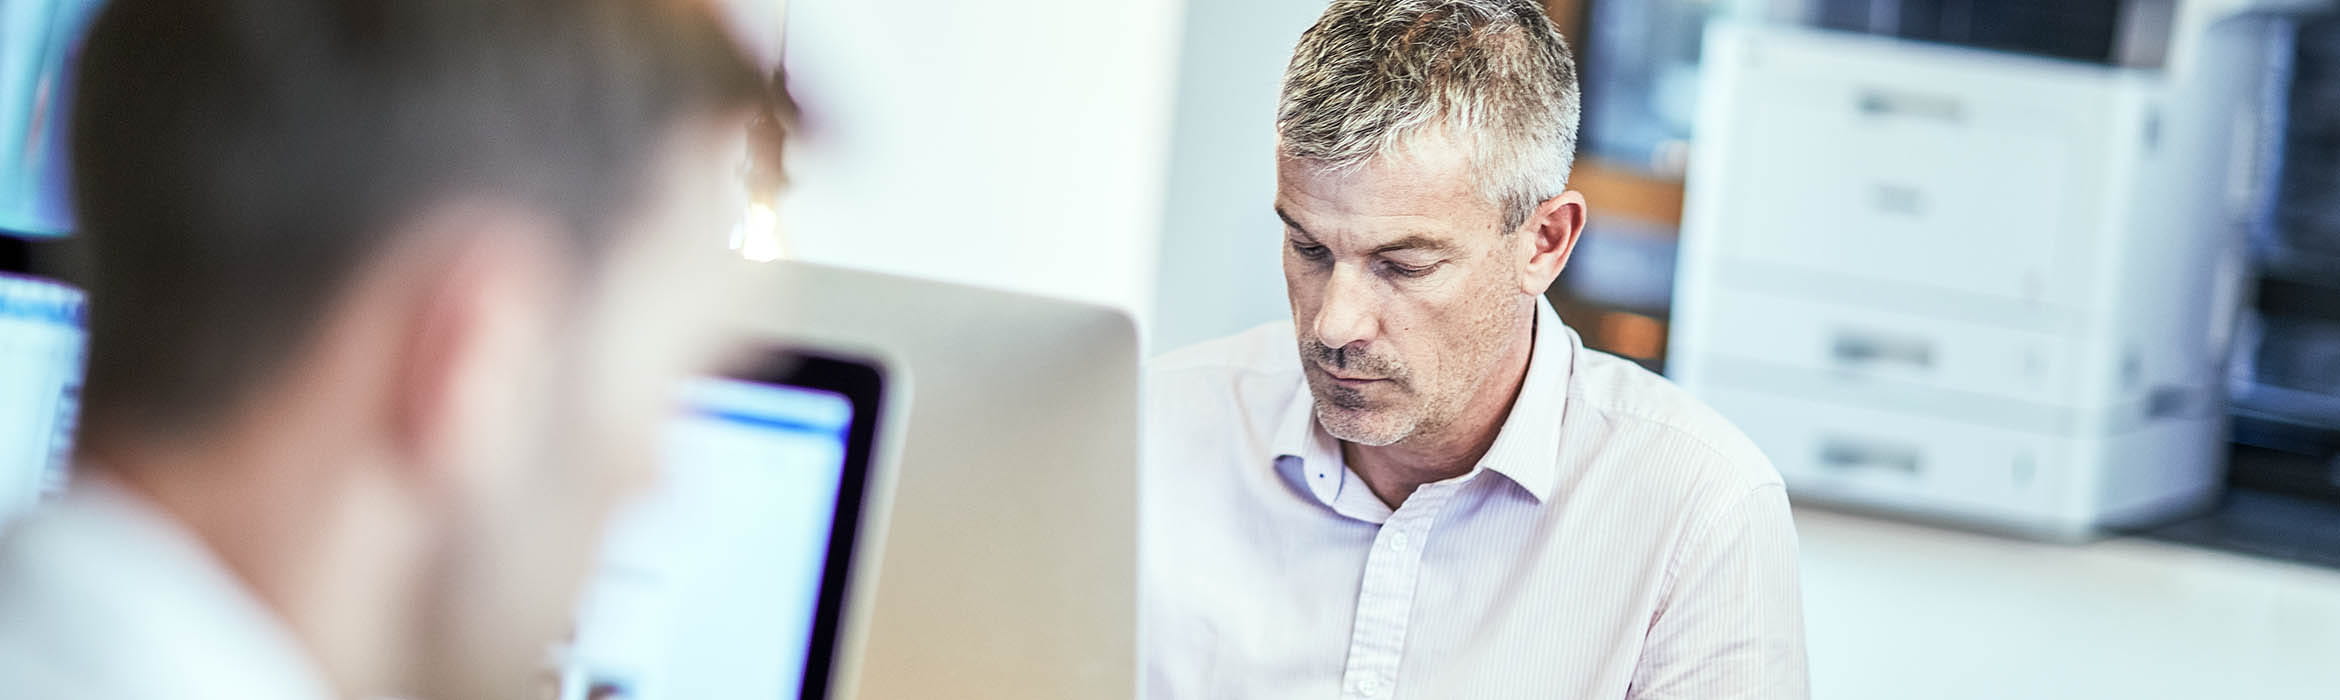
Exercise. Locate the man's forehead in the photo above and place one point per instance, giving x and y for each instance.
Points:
(1374, 233)
(1380, 202)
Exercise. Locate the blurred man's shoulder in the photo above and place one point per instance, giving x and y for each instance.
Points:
(102, 597)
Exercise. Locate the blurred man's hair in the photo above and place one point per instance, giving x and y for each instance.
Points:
(236, 162)
(1492, 75)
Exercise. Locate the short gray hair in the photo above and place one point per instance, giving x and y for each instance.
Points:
(1495, 74)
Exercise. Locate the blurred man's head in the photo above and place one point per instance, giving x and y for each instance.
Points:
(1422, 169)
(394, 293)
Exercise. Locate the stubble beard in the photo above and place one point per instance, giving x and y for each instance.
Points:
(1347, 413)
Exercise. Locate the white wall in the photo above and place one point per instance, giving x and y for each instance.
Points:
(1013, 144)
(1219, 262)
(1114, 152)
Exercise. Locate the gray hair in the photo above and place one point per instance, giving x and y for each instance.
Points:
(1495, 75)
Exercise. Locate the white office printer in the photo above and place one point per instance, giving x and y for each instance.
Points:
(1970, 284)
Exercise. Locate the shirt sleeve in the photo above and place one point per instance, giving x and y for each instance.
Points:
(1732, 625)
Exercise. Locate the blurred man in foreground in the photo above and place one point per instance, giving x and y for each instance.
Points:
(1447, 495)
(388, 298)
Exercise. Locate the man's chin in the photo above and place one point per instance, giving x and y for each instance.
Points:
(1359, 426)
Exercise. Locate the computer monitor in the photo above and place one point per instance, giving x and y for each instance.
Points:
(41, 346)
(40, 48)
(733, 580)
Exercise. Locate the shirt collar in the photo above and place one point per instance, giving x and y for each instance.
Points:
(1526, 449)
(1314, 455)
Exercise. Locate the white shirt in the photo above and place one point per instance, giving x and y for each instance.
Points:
(103, 598)
(1619, 540)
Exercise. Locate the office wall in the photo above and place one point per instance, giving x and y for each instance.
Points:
(1018, 145)
(1219, 264)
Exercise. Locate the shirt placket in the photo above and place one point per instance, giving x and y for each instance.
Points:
(1385, 602)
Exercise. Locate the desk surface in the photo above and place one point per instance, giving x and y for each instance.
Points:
(1898, 610)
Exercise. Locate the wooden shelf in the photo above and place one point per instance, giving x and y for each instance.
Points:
(1613, 190)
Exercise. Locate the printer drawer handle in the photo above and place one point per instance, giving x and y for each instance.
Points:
(1843, 454)
(1862, 348)
(1886, 102)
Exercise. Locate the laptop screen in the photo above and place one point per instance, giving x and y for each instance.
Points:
(726, 581)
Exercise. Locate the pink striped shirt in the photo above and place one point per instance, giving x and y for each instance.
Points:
(1619, 540)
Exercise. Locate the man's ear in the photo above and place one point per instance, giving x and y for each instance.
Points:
(1550, 236)
(482, 284)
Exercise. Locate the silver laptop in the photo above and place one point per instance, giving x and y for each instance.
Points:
(922, 491)
(1009, 563)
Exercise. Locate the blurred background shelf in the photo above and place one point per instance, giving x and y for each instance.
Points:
(1619, 191)
(1617, 290)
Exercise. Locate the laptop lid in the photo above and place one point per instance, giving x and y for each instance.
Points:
(1010, 557)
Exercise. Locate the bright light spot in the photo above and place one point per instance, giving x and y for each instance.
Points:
(758, 235)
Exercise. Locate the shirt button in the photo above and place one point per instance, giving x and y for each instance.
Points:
(1397, 541)
(1371, 687)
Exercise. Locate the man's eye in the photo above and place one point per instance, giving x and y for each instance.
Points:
(1408, 270)
(1312, 252)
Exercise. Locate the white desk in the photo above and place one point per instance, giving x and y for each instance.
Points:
(1909, 612)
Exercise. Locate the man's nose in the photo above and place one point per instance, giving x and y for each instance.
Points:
(1347, 314)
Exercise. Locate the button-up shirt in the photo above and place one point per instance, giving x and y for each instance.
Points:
(1618, 540)
(102, 597)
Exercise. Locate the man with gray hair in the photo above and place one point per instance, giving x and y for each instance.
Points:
(1447, 495)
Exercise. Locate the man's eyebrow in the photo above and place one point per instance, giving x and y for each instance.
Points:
(1415, 242)
(1289, 222)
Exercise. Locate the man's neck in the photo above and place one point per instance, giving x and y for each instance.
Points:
(1394, 471)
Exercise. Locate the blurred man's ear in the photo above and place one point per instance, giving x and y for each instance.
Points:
(485, 284)
(1550, 237)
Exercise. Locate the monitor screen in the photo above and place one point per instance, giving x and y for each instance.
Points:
(712, 587)
(41, 343)
(40, 46)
